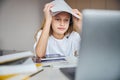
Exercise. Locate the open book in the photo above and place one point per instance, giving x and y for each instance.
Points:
(61, 5)
(24, 65)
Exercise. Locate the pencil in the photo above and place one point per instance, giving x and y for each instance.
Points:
(28, 77)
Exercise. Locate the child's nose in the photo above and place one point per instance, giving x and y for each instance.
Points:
(62, 23)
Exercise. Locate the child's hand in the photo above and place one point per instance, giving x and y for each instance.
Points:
(47, 14)
(77, 23)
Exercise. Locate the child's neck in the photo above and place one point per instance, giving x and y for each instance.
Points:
(58, 36)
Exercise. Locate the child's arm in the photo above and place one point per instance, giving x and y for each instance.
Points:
(42, 42)
(77, 23)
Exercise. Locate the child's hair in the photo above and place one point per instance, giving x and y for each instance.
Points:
(70, 29)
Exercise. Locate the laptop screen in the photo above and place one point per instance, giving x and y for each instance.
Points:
(99, 57)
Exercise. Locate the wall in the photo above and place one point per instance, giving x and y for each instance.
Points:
(19, 20)
(94, 4)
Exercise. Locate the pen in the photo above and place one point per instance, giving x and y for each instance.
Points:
(47, 66)
(27, 78)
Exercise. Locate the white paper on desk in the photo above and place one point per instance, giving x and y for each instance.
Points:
(61, 5)
(15, 56)
(26, 67)
(71, 61)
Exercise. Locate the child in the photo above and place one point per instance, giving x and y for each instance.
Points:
(59, 34)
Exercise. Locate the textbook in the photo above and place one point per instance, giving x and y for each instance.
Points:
(14, 56)
(53, 59)
(48, 59)
(24, 65)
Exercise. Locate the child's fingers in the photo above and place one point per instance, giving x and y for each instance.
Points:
(76, 11)
(47, 7)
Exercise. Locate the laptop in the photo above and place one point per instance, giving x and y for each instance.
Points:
(99, 56)
(69, 72)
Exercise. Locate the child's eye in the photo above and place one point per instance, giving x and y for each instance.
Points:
(57, 19)
(66, 20)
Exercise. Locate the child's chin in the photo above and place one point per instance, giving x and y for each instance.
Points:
(61, 32)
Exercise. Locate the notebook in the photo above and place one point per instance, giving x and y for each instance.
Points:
(4, 58)
(99, 57)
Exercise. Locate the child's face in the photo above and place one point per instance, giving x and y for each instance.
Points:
(60, 23)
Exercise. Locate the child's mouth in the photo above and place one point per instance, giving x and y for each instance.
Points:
(61, 29)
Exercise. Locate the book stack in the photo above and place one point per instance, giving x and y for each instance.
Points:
(17, 65)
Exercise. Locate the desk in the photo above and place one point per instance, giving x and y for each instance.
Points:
(53, 73)
(50, 74)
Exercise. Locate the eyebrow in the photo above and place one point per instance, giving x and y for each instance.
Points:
(65, 17)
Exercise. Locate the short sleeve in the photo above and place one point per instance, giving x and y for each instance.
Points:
(76, 42)
(37, 38)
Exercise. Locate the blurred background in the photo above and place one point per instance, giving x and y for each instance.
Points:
(20, 19)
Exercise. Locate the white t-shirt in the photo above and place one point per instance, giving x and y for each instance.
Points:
(64, 47)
